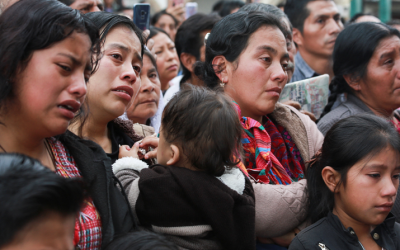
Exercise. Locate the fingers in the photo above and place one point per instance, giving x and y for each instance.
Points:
(149, 141)
(151, 154)
(294, 104)
(146, 34)
(126, 151)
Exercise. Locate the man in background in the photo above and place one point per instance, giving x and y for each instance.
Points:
(316, 25)
(85, 6)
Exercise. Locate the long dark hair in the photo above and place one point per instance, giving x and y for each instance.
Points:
(229, 38)
(353, 50)
(348, 141)
(30, 25)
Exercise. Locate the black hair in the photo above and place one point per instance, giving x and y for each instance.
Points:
(104, 22)
(158, 15)
(28, 190)
(67, 2)
(217, 6)
(141, 240)
(229, 38)
(154, 31)
(228, 6)
(353, 50)
(205, 126)
(297, 12)
(271, 9)
(151, 57)
(31, 25)
(356, 16)
(348, 141)
(188, 39)
(393, 22)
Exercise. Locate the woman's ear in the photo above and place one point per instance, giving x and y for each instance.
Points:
(353, 83)
(175, 155)
(219, 64)
(331, 178)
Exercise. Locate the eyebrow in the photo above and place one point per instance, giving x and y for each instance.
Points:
(126, 49)
(387, 54)
(272, 50)
(76, 61)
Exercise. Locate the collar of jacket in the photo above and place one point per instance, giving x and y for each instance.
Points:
(384, 234)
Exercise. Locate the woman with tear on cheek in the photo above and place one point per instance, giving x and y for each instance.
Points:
(113, 87)
(48, 53)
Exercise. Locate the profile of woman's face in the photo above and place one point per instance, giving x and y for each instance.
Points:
(116, 82)
(145, 104)
(52, 87)
(258, 76)
(167, 59)
(380, 88)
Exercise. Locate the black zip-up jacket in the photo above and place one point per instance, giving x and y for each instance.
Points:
(95, 167)
(330, 234)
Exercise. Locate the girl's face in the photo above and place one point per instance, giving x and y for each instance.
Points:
(52, 87)
(168, 25)
(380, 89)
(117, 81)
(370, 190)
(145, 104)
(256, 80)
(167, 59)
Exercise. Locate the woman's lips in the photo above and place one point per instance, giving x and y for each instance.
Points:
(385, 207)
(124, 91)
(68, 108)
(173, 67)
(276, 91)
(148, 101)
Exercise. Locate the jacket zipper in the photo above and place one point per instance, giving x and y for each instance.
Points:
(361, 245)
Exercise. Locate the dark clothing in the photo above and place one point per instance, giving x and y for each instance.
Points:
(95, 168)
(185, 200)
(118, 138)
(330, 232)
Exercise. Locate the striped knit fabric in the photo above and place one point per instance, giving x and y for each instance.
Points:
(257, 142)
(88, 225)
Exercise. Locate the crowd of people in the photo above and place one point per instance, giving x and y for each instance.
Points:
(174, 137)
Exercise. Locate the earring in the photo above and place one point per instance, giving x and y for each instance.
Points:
(222, 83)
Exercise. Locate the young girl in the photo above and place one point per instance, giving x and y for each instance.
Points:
(196, 195)
(352, 185)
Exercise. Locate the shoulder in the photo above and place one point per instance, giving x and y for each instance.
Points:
(309, 237)
(122, 126)
(344, 110)
(171, 92)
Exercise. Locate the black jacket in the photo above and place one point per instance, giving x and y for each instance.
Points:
(331, 234)
(95, 167)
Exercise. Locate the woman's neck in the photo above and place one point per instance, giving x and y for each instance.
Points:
(362, 230)
(95, 130)
(376, 110)
(139, 120)
(17, 138)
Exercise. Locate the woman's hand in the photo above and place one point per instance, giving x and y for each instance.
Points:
(152, 142)
(149, 43)
(178, 11)
(126, 151)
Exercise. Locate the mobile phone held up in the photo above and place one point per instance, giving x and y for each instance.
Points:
(191, 9)
(141, 15)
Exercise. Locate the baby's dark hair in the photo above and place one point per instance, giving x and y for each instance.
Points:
(206, 128)
(141, 240)
(349, 141)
